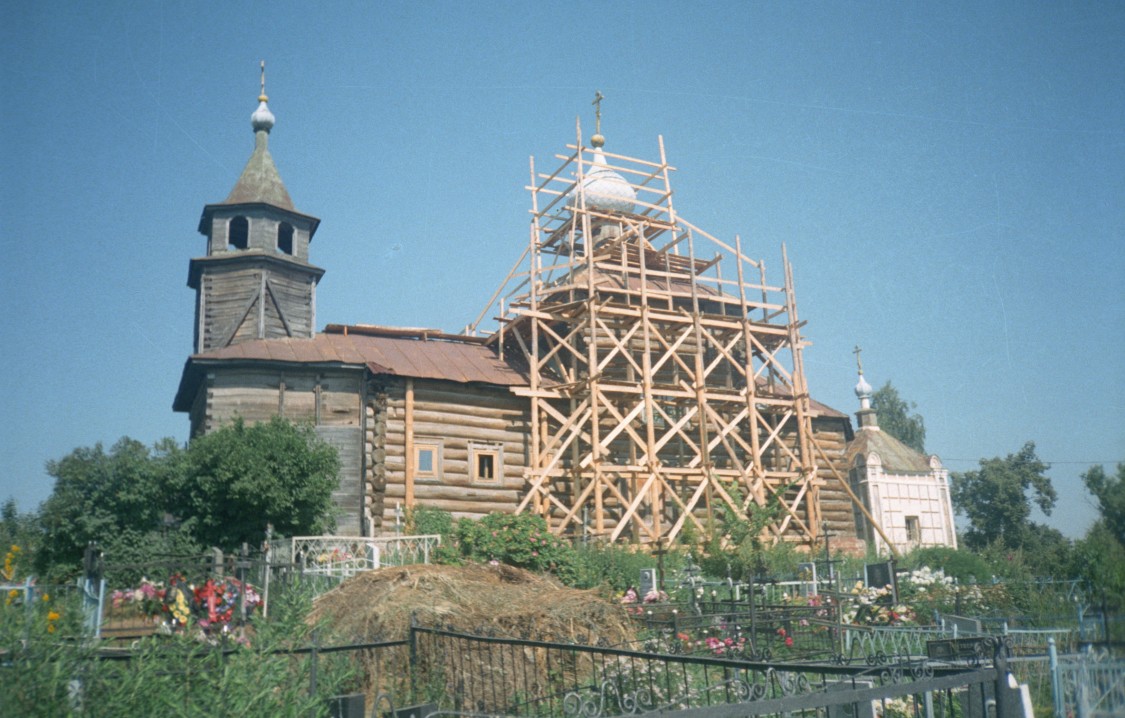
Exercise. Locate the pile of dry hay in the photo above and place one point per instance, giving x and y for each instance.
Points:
(378, 605)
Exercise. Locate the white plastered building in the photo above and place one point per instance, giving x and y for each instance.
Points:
(906, 492)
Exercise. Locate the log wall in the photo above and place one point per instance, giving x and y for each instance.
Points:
(836, 507)
(329, 400)
(325, 398)
(366, 421)
(456, 419)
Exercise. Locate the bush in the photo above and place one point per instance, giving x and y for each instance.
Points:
(964, 566)
(127, 552)
(521, 540)
(617, 567)
(424, 521)
(751, 559)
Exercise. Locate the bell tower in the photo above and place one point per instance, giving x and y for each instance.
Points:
(256, 281)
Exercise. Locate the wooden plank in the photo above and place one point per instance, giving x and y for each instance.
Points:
(348, 496)
(409, 444)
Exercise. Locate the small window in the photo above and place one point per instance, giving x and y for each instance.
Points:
(238, 234)
(427, 460)
(913, 529)
(285, 238)
(486, 466)
(486, 463)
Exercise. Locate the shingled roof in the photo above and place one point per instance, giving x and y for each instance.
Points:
(260, 181)
(897, 457)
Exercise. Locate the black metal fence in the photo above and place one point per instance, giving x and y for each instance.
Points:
(468, 673)
(437, 669)
(742, 629)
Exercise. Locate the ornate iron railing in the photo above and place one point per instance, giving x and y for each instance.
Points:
(875, 644)
(483, 674)
(345, 556)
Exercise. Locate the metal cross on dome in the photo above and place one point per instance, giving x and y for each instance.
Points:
(597, 103)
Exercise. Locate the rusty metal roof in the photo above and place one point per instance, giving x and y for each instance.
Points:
(393, 351)
(423, 354)
(425, 358)
(824, 410)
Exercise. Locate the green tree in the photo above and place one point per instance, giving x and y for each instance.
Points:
(1110, 493)
(1100, 558)
(18, 529)
(996, 499)
(895, 418)
(100, 495)
(242, 476)
(222, 490)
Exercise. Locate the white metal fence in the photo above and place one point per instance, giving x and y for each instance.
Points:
(345, 556)
(1089, 685)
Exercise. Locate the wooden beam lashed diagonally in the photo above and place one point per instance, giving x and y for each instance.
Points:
(665, 374)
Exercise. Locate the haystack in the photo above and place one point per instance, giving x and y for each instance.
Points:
(501, 600)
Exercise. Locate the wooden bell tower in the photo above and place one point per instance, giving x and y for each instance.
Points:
(255, 281)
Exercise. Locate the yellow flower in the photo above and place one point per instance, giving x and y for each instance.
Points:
(46, 597)
(180, 609)
(50, 628)
(53, 615)
(15, 549)
(13, 593)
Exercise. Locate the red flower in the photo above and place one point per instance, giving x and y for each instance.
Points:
(789, 641)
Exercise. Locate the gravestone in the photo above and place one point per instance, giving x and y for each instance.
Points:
(877, 575)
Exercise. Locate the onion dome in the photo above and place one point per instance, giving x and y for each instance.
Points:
(866, 415)
(603, 188)
(862, 389)
(262, 119)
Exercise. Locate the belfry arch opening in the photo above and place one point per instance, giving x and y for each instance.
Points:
(238, 236)
(285, 238)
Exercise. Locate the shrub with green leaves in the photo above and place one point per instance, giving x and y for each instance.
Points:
(964, 566)
(618, 566)
(425, 521)
(521, 540)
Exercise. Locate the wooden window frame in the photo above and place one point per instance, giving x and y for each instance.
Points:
(422, 444)
(913, 537)
(479, 450)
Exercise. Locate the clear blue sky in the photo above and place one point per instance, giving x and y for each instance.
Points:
(949, 180)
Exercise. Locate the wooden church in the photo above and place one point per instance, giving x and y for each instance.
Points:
(633, 376)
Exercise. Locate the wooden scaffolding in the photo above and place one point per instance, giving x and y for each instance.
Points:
(666, 380)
